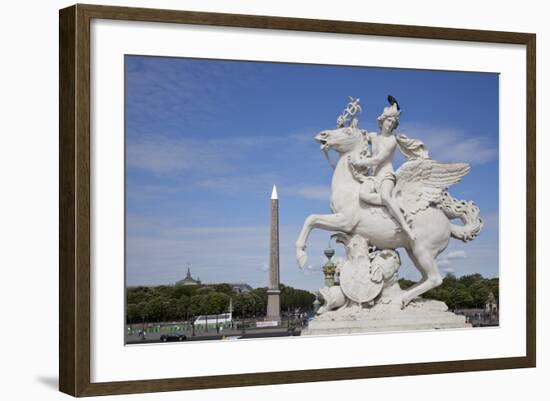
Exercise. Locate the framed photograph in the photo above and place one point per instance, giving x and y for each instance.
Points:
(250, 200)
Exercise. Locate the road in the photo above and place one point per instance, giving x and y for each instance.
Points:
(227, 335)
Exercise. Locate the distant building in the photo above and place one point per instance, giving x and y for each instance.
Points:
(188, 280)
(239, 288)
(491, 304)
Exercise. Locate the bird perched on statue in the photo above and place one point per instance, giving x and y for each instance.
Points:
(393, 101)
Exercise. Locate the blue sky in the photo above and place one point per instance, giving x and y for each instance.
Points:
(207, 139)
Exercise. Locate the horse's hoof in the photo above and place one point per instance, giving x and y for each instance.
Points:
(404, 303)
(301, 257)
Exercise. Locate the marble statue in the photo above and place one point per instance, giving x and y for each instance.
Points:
(376, 210)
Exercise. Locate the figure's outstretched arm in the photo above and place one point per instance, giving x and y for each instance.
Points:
(373, 160)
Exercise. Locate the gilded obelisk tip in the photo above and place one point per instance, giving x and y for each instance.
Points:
(274, 193)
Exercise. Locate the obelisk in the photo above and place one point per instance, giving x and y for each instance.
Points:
(273, 292)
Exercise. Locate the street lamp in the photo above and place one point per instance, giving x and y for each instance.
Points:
(143, 326)
(192, 320)
(329, 268)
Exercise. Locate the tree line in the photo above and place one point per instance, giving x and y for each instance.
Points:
(470, 291)
(183, 303)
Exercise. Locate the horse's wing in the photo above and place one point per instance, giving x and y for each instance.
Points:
(422, 182)
(408, 189)
(443, 175)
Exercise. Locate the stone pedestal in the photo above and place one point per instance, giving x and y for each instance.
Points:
(421, 314)
(273, 305)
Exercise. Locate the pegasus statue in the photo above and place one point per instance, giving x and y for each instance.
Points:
(410, 208)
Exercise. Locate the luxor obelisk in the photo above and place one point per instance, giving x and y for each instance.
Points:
(273, 292)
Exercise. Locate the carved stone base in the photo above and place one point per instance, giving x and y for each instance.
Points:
(421, 314)
(274, 305)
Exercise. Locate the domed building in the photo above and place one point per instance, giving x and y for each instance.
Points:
(189, 280)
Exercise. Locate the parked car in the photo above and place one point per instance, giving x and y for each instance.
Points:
(173, 337)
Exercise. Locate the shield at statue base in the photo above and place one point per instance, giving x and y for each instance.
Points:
(357, 282)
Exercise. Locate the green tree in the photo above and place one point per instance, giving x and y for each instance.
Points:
(155, 308)
(133, 313)
(182, 307)
(468, 291)
(244, 304)
(404, 283)
(479, 292)
(470, 279)
(460, 298)
(217, 302)
(171, 312)
(292, 299)
(164, 291)
(224, 288)
(261, 294)
(205, 290)
(135, 295)
(184, 290)
(197, 305)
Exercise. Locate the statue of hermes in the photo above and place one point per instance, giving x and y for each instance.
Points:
(376, 169)
(410, 208)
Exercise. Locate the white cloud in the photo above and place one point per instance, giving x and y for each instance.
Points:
(453, 145)
(161, 155)
(443, 262)
(448, 260)
(456, 255)
(235, 184)
(313, 192)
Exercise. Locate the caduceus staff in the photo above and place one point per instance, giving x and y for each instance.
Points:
(352, 108)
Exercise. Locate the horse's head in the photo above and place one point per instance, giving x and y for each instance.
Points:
(342, 140)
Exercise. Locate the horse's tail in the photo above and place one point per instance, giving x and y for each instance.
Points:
(466, 211)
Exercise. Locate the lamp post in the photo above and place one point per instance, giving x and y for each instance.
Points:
(329, 268)
(143, 326)
(192, 321)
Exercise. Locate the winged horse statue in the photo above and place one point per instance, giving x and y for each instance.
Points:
(419, 191)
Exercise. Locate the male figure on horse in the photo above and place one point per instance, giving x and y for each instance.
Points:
(415, 197)
(377, 187)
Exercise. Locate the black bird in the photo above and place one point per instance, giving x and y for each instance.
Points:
(393, 101)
